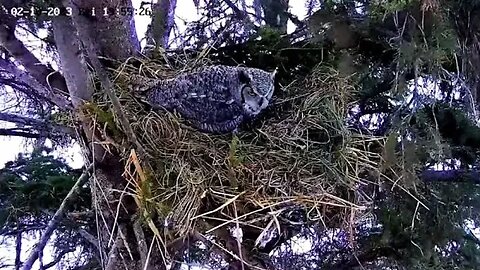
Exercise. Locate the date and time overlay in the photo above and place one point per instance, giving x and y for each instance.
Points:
(53, 11)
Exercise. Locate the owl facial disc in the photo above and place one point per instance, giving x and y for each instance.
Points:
(254, 102)
(256, 90)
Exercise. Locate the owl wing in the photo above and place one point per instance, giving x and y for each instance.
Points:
(164, 94)
(209, 115)
(210, 106)
(205, 99)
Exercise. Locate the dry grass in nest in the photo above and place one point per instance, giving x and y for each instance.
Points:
(303, 156)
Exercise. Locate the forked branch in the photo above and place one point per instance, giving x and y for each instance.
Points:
(57, 217)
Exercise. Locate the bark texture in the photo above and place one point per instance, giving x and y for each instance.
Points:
(275, 14)
(82, 40)
(162, 22)
(115, 36)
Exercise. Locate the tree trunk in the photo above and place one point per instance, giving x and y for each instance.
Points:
(162, 22)
(112, 37)
(275, 14)
(80, 40)
(18, 250)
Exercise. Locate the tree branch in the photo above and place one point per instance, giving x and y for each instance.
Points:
(240, 13)
(15, 133)
(18, 250)
(17, 119)
(470, 236)
(295, 20)
(43, 91)
(472, 176)
(142, 243)
(57, 259)
(44, 75)
(55, 220)
(38, 125)
(90, 238)
(21, 228)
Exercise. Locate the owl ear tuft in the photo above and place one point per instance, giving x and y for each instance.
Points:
(243, 77)
(272, 75)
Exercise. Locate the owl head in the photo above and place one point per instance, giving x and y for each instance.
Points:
(256, 89)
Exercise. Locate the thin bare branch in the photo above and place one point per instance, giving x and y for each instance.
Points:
(90, 238)
(55, 220)
(37, 125)
(240, 13)
(57, 259)
(16, 133)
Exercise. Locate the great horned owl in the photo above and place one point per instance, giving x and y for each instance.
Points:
(214, 99)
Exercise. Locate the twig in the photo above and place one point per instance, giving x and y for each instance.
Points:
(58, 258)
(142, 243)
(90, 238)
(240, 13)
(52, 224)
(112, 257)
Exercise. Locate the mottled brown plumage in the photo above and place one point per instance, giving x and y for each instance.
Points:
(214, 99)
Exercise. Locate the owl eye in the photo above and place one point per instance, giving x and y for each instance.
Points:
(249, 91)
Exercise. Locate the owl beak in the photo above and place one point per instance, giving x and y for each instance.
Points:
(263, 103)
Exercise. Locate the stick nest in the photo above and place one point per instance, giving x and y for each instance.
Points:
(300, 153)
